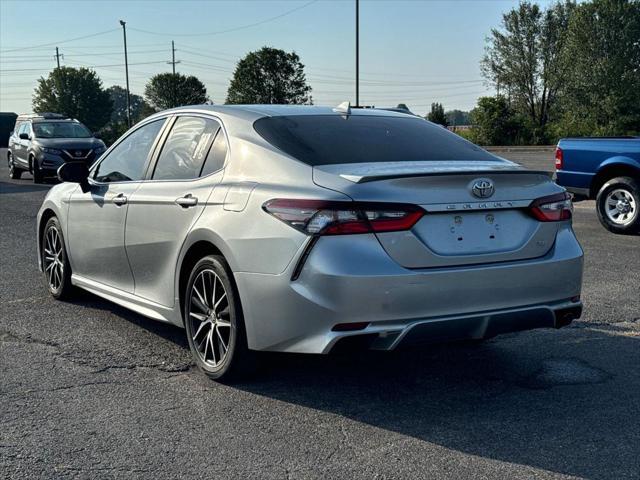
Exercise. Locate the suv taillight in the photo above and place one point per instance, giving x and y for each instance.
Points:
(320, 217)
(559, 158)
(553, 208)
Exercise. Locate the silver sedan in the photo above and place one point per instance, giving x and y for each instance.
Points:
(298, 228)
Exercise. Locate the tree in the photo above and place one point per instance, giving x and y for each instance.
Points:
(495, 122)
(523, 58)
(169, 90)
(436, 115)
(457, 117)
(269, 75)
(118, 122)
(602, 54)
(76, 92)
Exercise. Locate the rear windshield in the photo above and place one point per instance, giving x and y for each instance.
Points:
(332, 139)
(60, 130)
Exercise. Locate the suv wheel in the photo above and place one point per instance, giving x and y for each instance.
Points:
(14, 172)
(35, 170)
(214, 323)
(618, 205)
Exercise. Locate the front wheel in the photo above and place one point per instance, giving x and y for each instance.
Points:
(214, 323)
(55, 263)
(35, 170)
(14, 172)
(618, 205)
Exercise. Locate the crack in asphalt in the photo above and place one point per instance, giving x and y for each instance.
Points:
(7, 336)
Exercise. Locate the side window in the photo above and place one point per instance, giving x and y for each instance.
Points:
(24, 128)
(217, 155)
(127, 160)
(185, 149)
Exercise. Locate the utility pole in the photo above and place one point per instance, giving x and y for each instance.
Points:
(173, 68)
(58, 55)
(126, 71)
(173, 57)
(357, 53)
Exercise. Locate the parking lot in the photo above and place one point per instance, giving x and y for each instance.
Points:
(89, 389)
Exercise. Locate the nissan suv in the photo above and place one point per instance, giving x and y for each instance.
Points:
(40, 143)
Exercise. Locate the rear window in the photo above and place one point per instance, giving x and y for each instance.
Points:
(332, 139)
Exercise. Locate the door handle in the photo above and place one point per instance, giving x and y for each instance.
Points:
(119, 199)
(187, 201)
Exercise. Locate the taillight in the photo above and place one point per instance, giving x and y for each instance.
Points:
(559, 158)
(553, 208)
(320, 217)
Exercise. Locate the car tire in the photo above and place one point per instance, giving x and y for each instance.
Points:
(213, 318)
(55, 262)
(618, 205)
(35, 170)
(14, 172)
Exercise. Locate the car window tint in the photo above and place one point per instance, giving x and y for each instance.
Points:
(217, 155)
(127, 159)
(24, 128)
(333, 139)
(186, 148)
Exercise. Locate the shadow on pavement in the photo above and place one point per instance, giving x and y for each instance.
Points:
(545, 399)
(514, 403)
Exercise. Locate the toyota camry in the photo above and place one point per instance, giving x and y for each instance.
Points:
(298, 228)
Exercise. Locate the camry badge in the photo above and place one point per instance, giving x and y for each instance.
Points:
(482, 188)
(78, 153)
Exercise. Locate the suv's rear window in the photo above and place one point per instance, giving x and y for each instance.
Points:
(331, 139)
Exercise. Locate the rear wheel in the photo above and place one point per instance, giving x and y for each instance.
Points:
(14, 172)
(55, 263)
(214, 323)
(618, 205)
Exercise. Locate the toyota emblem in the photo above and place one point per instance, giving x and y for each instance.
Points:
(482, 188)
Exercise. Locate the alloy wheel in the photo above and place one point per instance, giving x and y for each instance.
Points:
(54, 258)
(620, 206)
(210, 318)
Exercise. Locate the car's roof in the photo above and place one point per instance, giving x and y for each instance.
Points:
(258, 111)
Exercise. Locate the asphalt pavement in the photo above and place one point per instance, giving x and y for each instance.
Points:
(90, 390)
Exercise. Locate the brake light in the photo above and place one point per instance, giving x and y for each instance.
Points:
(320, 217)
(553, 208)
(559, 158)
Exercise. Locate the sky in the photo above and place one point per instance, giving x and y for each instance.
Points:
(414, 52)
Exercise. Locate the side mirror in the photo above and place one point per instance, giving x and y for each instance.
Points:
(24, 136)
(97, 135)
(75, 172)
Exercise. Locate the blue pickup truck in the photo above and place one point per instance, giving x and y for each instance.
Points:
(607, 170)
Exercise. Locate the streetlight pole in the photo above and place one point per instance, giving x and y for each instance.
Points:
(357, 53)
(126, 71)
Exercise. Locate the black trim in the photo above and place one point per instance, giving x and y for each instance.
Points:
(303, 258)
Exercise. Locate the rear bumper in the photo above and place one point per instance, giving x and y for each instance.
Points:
(351, 279)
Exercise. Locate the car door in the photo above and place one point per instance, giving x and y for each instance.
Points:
(95, 227)
(165, 207)
(19, 149)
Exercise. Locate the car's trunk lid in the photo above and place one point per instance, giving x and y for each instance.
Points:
(459, 228)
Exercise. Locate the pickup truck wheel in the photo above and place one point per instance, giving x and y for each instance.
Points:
(618, 205)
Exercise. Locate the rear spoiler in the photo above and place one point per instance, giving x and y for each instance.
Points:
(392, 176)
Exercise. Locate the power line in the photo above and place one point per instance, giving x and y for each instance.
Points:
(60, 41)
(242, 27)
